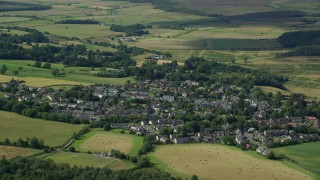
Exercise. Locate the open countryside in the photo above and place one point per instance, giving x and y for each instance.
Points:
(160, 89)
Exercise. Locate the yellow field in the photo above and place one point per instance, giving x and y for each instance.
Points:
(39, 82)
(10, 151)
(220, 162)
(98, 140)
(108, 141)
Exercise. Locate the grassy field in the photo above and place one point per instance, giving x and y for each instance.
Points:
(10, 151)
(82, 159)
(102, 141)
(219, 162)
(14, 126)
(43, 77)
(305, 155)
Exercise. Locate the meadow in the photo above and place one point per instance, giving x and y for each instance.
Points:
(43, 77)
(83, 159)
(10, 151)
(217, 161)
(14, 126)
(305, 155)
(102, 141)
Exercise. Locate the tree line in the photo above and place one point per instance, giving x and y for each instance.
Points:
(78, 21)
(131, 30)
(35, 168)
(300, 38)
(21, 6)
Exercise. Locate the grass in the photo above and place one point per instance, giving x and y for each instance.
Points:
(209, 161)
(10, 151)
(83, 159)
(14, 126)
(210, 44)
(43, 77)
(305, 155)
(102, 141)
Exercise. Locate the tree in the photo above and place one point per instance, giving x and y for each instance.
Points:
(20, 68)
(47, 65)
(194, 177)
(37, 64)
(55, 72)
(3, 69)
(72, 149)
(15, 72)
(107, 127)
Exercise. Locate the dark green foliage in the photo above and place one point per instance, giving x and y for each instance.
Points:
(107, 127)
(300, 38)
(200, 70)
(148, 144)
(23, 168)
(72, 149)
(313, 50)
(20, 6)
(33, 142)
(3, 69)
(77, 21)
(131, 30)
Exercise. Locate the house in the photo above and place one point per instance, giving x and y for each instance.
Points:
(181, 140)
(262, 150)
(164, 140)
(172, 136)
(275, 132)
(296, 119)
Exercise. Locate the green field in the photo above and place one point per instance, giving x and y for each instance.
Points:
(305, 155)
(82, 159)
(212, 161)
(14, 126)
(10, 151)
(102, 141)
(43, 77)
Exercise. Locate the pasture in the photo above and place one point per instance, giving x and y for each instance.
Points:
(83, 159)
(105, 141)
(212, 161)
(43, 77)
(305, 155)
(14, 126)
(11, 151)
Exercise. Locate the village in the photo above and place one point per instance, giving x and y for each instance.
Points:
(162, 108)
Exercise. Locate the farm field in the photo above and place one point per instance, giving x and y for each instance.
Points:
(102, 141)
(14, 126)
(10, 151)
(215, 161)
(82, 159)
(305, 155)
(43, 77)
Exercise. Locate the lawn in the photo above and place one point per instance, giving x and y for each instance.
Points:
(212, 161)
(83, 159)
(305, 155)
(10, 151)
(102, 141)
(14, 126)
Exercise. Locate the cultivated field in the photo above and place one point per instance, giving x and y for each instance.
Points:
(219, 162)
(14, 126)
(305, 155)
(101, 141)
(10, 151)
(82, 159)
